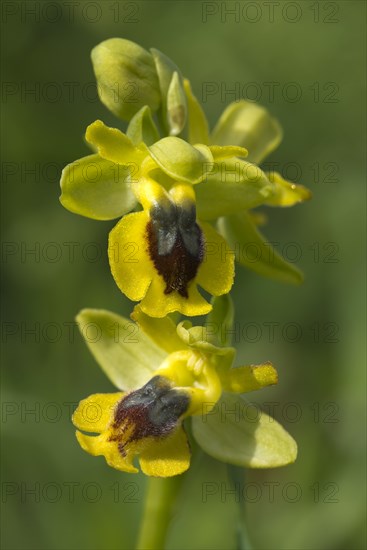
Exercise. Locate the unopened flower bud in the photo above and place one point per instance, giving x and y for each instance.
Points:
(126, 77)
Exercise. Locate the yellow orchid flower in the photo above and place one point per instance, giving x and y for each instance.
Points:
(103, 185)
(161, 254)
(172, 253)
(173, 373)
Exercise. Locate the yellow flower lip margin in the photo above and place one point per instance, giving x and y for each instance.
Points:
(190, 365)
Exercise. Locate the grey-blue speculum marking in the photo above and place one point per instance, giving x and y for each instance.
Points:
(150, 411)
(176, 244)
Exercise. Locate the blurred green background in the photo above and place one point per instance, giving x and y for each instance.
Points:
(54, 496)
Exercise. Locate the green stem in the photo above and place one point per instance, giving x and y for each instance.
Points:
(160, 500)
(237, 477)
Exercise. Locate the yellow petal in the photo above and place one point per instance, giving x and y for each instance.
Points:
(130, 263)
(166, 457)
(216, 273)
(93, 414)
(221, 152)
(158, 304)
(249, 378)
(113, 145)
(98, 446)
(162, 331)
(286, 193)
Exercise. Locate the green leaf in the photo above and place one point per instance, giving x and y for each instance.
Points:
(180, 160)
(220, 319)
(96, 188)
(237, 432)
(254, 252)
(126, 77)
(198, 127)
(125, 354)
(249, 125)
(142, 128)
(233, 185)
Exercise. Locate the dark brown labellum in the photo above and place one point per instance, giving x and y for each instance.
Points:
(151, 411)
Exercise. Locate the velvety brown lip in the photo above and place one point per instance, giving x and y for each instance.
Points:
(151, 411)
(175, 245)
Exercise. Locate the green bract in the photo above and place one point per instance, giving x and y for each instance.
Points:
(253, 251)
(220, 319)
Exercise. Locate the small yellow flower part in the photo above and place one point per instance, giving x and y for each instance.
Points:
(160, 255)
(285, 192)
(252, 377)
(194, 371)
(171, 156)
